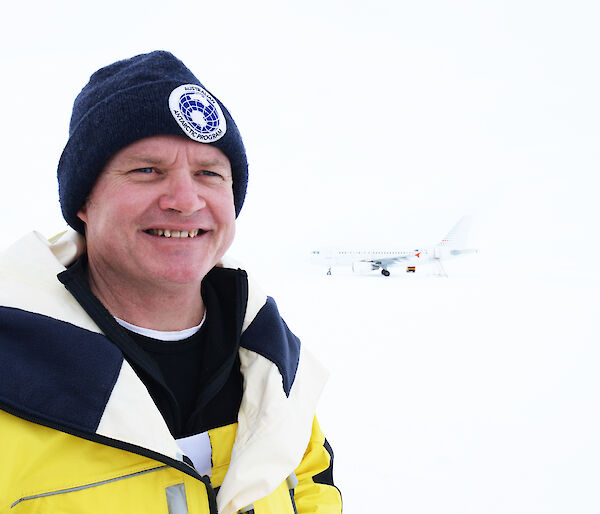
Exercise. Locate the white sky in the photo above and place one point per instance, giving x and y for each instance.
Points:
(384, 121)
(387, 121)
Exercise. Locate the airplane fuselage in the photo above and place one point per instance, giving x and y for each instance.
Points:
(379, 259)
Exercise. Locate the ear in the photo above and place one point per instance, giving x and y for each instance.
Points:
(82, 213)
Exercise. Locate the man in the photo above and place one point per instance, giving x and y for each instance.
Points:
(139, 372)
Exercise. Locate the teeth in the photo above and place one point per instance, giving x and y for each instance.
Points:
(175, 233)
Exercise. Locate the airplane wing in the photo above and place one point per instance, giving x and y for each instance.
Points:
(382, 262)
(389, 261)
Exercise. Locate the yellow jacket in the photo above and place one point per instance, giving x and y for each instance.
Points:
(80, 433)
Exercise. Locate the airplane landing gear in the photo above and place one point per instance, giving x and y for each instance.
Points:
(441, 272)
(329, 271)
(385, 272)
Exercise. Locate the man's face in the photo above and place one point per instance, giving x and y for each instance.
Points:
(154, 188)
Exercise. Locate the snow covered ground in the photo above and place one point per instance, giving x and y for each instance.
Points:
(469, 394)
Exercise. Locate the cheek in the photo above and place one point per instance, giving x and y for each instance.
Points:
(230, 233)
(225, 213)
(117, 203)
(228, 222)
(223, 207)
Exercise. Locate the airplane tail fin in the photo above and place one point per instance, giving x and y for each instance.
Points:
(457, 237)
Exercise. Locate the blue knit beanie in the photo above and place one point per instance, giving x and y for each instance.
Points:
(147, 95)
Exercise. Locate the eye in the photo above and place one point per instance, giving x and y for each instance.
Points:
(212, 174)
(145, 171)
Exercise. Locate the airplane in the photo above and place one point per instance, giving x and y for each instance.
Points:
(363, 261)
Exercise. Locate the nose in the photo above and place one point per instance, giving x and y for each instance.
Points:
(183, 195)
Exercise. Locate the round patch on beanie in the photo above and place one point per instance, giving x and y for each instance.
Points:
(198, 113)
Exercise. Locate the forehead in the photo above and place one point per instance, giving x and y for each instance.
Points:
(169, 149)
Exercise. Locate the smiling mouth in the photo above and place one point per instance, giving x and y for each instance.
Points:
(165, 232)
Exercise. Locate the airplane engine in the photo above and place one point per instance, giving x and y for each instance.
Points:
(363, 267)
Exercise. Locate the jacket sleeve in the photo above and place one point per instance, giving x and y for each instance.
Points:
(316, 492)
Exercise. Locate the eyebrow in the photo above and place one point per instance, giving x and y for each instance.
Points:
(148, 159)
(143, 158)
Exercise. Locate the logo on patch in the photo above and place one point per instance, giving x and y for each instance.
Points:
(197, 113)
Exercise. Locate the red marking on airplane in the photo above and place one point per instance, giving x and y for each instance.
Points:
(418, 254)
